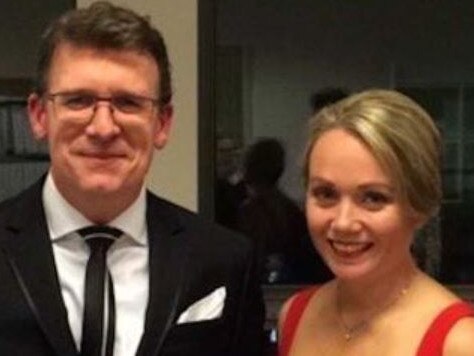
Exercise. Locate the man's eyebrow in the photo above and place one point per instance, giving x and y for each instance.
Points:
(75, 92)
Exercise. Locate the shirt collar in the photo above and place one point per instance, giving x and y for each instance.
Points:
(62, 218)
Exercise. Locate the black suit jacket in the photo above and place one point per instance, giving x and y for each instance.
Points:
(188, 260)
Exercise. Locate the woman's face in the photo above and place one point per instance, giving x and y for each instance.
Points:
(355, 216)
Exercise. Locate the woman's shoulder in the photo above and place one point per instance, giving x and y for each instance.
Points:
(292, 312)
(460, 340)
(297, 302)
(450, 320)
(294, 308)
(433, 294)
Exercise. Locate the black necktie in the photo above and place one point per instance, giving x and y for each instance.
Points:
(98, 325)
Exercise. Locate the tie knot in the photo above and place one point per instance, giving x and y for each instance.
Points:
(100, 235)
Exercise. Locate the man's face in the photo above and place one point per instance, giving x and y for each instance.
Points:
(107, 153)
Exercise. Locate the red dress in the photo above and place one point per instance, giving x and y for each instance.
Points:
(431, 345)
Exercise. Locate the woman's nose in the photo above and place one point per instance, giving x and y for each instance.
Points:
(346, 218)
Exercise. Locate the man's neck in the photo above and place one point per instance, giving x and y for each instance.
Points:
(98, 206)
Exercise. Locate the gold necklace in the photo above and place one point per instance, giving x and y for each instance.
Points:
(351, 331)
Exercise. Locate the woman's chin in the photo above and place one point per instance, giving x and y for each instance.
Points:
(352, 271)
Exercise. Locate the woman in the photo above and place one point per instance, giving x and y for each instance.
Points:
(372, 175)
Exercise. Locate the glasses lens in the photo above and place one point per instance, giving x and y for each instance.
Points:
(129, 104)
(75, 102)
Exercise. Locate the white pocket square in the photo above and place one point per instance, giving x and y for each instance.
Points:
(207, 308)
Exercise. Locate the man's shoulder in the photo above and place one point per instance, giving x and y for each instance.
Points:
(22, 200)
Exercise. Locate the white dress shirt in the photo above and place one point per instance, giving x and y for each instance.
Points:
(127, 260)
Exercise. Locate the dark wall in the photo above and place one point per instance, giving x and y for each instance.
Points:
(21, 23)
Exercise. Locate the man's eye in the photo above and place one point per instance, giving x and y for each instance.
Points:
(128, 104)
(77, 102)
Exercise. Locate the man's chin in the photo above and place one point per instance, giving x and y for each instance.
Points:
(103, 187)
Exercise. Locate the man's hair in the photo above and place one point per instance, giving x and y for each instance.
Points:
(400, 134)
(104, 26)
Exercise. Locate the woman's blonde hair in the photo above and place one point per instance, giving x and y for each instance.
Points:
(400, 134)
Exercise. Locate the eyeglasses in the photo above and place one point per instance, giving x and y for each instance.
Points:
(84, 105)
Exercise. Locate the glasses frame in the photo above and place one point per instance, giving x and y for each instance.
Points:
(114, 108)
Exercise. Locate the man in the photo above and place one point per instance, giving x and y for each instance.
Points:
(90, 262)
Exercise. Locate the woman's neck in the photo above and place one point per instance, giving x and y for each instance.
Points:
(359, 302)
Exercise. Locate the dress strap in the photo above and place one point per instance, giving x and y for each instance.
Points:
(433, 340)
(293, 316)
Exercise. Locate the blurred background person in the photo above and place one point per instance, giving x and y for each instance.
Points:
(274, 221)
(230, 189)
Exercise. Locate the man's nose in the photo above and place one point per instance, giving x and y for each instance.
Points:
(102, 123)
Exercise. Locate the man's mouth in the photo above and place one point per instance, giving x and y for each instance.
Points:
(101, 155)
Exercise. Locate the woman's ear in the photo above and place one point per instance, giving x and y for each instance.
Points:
(419, 219)
(38, 116)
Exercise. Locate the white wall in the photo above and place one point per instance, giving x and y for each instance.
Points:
(174, 170)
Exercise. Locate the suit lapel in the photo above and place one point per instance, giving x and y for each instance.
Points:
(168, 260)
(29, 252)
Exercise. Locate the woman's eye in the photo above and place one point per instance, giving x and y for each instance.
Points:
(324, 196)
(375, 200)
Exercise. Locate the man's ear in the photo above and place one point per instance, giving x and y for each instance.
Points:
(38, 116)
(163, 128)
